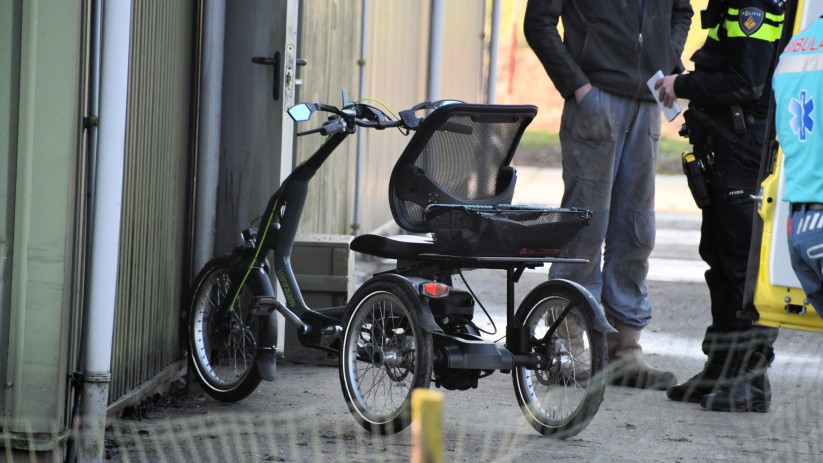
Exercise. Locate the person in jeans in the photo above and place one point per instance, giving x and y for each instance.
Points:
(798, 88)
(609, 135)
(731, 86)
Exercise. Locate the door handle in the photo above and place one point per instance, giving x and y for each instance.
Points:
(264, 60)
(275, 91)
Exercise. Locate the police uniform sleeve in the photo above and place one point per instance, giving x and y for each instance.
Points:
(747, 39)
(540, 29)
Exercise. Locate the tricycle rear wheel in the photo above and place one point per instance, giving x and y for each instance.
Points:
(562, 399)
(385, 356)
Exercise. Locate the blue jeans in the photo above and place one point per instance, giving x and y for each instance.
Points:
(609, 146)
(806, 250)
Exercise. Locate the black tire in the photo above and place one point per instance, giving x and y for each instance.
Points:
(400, 363)
(561, 400)
(223, 354)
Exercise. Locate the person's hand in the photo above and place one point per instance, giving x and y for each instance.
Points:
(581, 92)
(666, 86)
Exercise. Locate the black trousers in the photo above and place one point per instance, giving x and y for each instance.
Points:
(726, 235)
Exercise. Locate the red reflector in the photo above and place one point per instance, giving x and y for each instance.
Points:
(435, 289)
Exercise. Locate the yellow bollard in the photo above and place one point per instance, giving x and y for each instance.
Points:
(427, 432)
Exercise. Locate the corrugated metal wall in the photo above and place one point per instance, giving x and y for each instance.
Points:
(152, 241)
(396, 73)
(329, 38)
(463, 51)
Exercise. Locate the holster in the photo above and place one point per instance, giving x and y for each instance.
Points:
(706, 183)
(698, 179)
(696, 165)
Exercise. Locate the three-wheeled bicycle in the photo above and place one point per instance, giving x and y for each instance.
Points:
(407, 327)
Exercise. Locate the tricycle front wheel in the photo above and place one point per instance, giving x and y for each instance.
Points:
(222, 343)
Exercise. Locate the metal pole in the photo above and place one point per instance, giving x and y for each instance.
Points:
(493, 51)
(94, 99)
(91, 162)
(108, 185)
(512, 52)
(208, 134)
(355, 227)
(436, 48)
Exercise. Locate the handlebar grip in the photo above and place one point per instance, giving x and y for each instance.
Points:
(338, 125)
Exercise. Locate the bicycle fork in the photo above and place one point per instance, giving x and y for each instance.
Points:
(258, 279)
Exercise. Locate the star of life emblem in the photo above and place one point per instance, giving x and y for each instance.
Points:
(802, 121)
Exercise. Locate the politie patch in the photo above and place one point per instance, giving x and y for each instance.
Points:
(750, 20)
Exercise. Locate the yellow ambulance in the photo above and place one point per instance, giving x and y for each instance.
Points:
(773, 295)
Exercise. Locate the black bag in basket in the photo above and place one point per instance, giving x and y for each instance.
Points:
(505, 230)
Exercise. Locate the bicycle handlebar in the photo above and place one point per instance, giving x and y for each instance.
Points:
(337, 125)
(355, 114)
(385, 124)
(342, 123)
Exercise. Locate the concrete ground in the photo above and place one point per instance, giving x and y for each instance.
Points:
(302, 415)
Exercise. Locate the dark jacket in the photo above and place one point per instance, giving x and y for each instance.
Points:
(735, 65)
(607, 43)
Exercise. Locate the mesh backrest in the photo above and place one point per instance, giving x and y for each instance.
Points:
(459, 155)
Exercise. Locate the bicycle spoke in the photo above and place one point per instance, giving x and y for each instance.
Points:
(380, 357)
(225, 348)
(550, 389)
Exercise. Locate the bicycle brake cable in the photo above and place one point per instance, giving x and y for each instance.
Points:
(262, 240)
(382, 104)
(399, 129)
(460, 272)
(256, 254)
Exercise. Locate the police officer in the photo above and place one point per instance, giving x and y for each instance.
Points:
(730, 89)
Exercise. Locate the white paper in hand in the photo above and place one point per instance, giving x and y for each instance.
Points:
(670, 113)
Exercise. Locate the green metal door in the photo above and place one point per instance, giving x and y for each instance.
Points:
(10, 16)
(40, 132)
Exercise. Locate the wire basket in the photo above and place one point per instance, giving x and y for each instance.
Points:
(506, 231)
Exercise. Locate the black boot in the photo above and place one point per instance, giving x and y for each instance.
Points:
(707, 381)
(749, 392)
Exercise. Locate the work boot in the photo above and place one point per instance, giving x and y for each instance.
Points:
(749, 392)
(627, 365)
(711, 379)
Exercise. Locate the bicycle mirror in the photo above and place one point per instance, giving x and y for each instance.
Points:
(301, 112)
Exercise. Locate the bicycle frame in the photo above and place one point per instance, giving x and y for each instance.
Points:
(278, 231)
(279, 228)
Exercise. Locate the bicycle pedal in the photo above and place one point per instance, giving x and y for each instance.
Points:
(263, 305)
